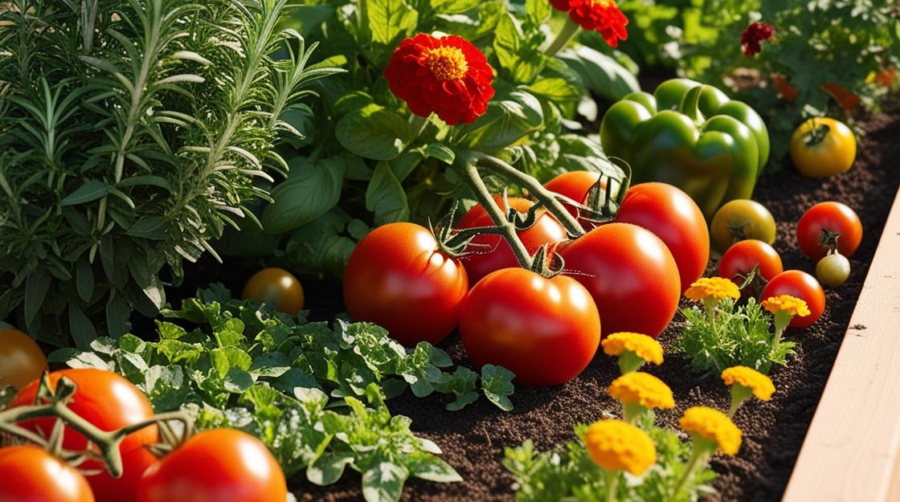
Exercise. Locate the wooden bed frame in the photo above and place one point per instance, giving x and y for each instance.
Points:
(852, 449)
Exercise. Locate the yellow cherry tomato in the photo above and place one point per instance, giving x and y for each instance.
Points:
(278, 286)
(823, 147)
(740, 220)
(21, 360)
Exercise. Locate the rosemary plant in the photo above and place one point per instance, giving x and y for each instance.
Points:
(131, 133)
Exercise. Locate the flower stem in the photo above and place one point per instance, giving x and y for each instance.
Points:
(563, 37)
(545, 197)
(507, 229)
(612, 485)
(696, 456)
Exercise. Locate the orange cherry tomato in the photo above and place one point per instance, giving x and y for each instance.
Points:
(21, 360)
(30, 474)
(834, 217)
(278, 286)
(743, 256)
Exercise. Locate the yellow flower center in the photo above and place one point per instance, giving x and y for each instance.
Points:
(446, 63)
(604, 4)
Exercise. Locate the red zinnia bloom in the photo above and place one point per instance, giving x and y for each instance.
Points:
(602, 16)
(753, 35)
(448, 76)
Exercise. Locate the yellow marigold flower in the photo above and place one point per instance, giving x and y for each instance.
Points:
(712, 287)
(642, 346)
(760, 384)
(616, 446)
(714, 426)
(643, 389)
(787, 304)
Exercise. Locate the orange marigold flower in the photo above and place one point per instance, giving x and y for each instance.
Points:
(642, 389)
(617, 446)
(712, 287)
(602, 16)
(712, 426)
(447, 76)
(787, 304)
(642, 346)
(761, 385)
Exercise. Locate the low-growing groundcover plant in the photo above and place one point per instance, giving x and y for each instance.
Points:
(314, 393)
(132, 133)
(375, 153)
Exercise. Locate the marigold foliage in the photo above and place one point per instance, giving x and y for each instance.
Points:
(760, 384)
(642, 346)
(643, 389)
(712, 425)
(617, 446)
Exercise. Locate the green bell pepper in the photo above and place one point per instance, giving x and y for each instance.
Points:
(692, 136)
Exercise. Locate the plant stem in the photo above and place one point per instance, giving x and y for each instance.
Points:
(612, 485)
(563, 37)
(507, 229)
(696, 456)
(545, 197)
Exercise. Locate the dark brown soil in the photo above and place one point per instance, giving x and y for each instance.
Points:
(473, 440)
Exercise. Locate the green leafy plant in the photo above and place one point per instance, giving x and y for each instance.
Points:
(733, 335)
(566, 472)
(369, 152)
(314, 394)
(132, 133)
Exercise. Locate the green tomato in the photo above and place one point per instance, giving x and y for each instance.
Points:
(740, 220)
(833, 270)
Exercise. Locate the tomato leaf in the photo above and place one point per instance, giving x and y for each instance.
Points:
(496, 381)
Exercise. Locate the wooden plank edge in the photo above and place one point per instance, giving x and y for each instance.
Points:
(851, 449)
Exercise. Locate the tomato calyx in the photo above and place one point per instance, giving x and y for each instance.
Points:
(547, 263)
(816, 135)
(753, 281)
(104, 446)
(829, 239)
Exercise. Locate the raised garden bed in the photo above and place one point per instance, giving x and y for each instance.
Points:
(473, 441)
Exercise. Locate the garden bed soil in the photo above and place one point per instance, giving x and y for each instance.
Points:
(473, 439)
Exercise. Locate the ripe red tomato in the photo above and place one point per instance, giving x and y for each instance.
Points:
(277, 286)
(799, 285)
(675, 218)
(398, 278)
(743, 256)
(218, 465)
(546, 331)
(110, 402)
(21, 360)
(492, 252)
(630, 274)
(834, 217)
(31, 474)
(574, 185)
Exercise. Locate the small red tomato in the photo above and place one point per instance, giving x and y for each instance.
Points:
(740, 259)
(399, 279)
(835, 218)
(110, 402)
(31, 474)
(675, 218)
(575, 185)
(631, 275)
(799, 285)
(218, 465)
(491, 252)
(546, 331)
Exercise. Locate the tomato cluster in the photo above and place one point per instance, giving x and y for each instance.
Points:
(214, 466)
(625, 275)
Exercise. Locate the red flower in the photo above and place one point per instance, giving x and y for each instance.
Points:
(448, 76)
(753, 35)
(602, 16)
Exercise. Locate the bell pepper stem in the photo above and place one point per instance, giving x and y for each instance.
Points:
(690, 104)
(544, 196)
(565, 35)
(507, 228)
